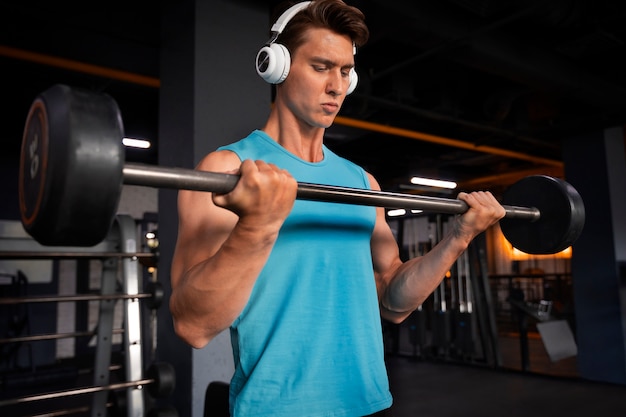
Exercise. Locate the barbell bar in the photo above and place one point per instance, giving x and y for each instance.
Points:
(187, 179)
(53, 336)
(142, 256)
(70, 298)
(72, 171)
(154, 291)
(160, 381)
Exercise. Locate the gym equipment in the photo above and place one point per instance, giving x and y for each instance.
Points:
(160, 383)
(463, 316)
(155, 292)
(44, 376)
(120, 256)
(164, 378)
(216, 399)
(417, 319)
(154, 296)
(273, 60)
(145, 257)
(72, 170)
(53, 336)
(557, 199)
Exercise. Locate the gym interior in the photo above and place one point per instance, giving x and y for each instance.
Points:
(485, 94)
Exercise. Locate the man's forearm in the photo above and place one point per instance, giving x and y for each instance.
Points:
(417, 278)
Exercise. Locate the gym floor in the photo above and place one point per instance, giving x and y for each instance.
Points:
(438, 389)
(427, 389)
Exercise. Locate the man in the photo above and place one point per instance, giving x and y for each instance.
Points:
(301, 284)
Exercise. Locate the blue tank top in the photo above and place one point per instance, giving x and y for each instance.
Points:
(309, 341)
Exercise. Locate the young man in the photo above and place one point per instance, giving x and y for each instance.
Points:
(303, 284)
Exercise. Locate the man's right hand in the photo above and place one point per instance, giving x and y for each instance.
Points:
(264, 195)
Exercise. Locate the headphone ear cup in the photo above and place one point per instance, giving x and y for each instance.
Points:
(354, 80)
(273, 63)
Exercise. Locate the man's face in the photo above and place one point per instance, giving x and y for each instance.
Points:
(319, 77)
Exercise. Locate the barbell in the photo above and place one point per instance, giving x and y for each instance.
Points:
(72, 169)
(153, 295)
(160, 381)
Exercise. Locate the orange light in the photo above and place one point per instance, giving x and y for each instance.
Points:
(518, 255)
(515, 254)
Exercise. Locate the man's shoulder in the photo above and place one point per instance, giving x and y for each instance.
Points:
(250, 141)
(221, 160)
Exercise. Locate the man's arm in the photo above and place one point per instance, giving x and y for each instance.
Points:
(223, 243)
(403, 287)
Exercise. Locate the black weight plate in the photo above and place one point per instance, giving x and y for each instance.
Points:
(164, 378)
(33, 164)
(72, 199)
(562, 215)
(156, 289)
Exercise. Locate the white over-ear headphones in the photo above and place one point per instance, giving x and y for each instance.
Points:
(273, 60)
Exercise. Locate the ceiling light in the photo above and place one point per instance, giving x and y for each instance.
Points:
(396, 212)
(136, 143)
(401, 212)
(433, 183)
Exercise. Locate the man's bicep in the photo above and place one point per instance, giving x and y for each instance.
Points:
(202, 226)
(384, 248)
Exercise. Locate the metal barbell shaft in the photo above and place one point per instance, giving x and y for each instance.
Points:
(74, 255)
(187, 179)
(69, 298)
(78, 391)
(52, 336)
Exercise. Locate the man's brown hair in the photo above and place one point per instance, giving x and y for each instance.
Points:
(330, 14)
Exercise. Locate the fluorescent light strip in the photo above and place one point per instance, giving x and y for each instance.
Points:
(433, 183)
(401, 212)
(136, 143)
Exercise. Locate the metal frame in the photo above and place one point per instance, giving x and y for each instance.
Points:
(120, 246)
(104, 337)
(132, 316)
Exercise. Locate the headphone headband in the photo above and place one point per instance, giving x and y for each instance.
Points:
(284, 18)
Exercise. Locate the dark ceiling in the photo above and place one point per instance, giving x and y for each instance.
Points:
(478, 91)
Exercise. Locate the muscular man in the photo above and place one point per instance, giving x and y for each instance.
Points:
(302, 285)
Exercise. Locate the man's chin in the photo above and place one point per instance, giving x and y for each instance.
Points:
(326, 122)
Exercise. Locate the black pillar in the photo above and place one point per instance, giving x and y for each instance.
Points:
(596, 166)
(210, 95)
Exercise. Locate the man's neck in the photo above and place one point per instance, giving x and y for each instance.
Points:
(302, 140)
